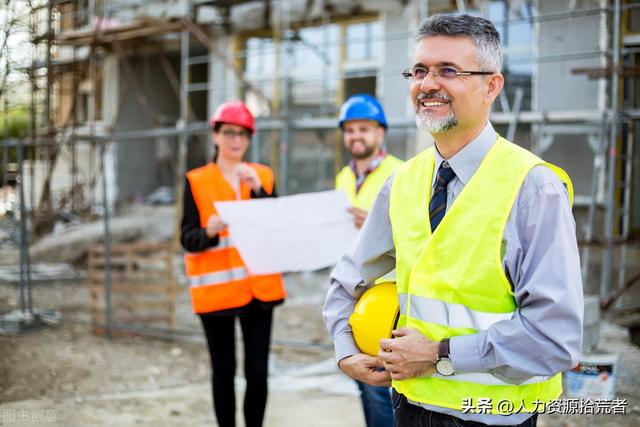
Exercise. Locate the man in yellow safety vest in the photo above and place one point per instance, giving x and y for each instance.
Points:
(363, 125)
(482, 237)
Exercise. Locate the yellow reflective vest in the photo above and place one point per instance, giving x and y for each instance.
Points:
(363, 199)
(452, 282)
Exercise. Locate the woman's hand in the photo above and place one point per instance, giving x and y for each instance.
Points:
(248, 175)
(215, 226)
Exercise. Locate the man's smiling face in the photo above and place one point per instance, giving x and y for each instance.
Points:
(443, 104)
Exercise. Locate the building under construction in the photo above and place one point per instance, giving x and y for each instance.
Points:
(112, 99)
(120, 93)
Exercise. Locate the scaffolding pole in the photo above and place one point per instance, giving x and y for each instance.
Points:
(607, 255)
(185, 38)
(26, 319)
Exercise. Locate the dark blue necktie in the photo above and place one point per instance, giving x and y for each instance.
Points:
(438, 204)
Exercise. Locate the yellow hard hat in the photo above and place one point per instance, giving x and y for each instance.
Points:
(375, 316)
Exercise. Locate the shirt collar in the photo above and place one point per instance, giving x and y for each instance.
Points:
(466, 161)
(372, 166)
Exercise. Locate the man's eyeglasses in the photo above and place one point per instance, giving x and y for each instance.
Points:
(229, 133)
(418, 74)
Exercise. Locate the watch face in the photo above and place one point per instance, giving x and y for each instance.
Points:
(444, 367)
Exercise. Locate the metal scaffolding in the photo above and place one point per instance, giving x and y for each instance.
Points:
(89, 31)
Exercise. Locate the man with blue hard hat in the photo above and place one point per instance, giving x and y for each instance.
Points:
(364, 124)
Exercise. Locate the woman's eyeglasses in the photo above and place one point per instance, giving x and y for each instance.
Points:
(230, 133)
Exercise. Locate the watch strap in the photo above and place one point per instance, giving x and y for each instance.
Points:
(443, 349)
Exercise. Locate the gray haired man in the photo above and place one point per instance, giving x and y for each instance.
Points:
(482, 237)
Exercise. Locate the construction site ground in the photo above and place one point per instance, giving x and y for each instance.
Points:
(64, 375)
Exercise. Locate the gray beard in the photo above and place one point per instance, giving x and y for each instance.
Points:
(433, 125)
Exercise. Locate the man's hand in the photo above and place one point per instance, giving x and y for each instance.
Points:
(359, 215)
(409, 355)
(214, 226)
(362, 367)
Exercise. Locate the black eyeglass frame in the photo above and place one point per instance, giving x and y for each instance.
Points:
(230, 133)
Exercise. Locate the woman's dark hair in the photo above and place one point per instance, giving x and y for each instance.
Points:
(216, 128)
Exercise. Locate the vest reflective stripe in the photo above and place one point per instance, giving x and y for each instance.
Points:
(446, 314)
(486, 378)
(448, 287)
(346, 181)
(403, 300)
(219, 277)
(453, 315)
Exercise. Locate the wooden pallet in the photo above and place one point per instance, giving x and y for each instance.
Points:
(143, 287)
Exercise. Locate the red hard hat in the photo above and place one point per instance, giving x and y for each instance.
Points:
(235, 113)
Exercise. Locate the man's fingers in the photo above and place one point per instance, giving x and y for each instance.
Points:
(386, 344)
(396, 375)
(353, 211)
(384, 355)
(379, 378)
(357, 211)
(402, 332)
(358, 365)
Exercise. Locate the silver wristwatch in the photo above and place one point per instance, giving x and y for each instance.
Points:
(444, 364)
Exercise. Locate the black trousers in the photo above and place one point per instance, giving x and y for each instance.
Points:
(255, 321)
(408, 415)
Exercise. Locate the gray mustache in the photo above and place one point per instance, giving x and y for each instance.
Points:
(433, 95)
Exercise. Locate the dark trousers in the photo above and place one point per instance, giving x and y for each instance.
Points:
(409, 415)
(255, 321)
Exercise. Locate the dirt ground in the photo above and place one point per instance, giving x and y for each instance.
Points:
(64, 375)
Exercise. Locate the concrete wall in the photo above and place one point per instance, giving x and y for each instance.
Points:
(554, 86)
(139, 163)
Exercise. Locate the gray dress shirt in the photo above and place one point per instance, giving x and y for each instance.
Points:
(539, 256)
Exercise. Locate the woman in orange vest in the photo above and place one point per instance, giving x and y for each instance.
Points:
(220, 285)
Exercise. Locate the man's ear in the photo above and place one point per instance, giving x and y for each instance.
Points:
(495, 83)
(380, 134)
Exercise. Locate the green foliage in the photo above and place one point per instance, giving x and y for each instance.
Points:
(17, 123)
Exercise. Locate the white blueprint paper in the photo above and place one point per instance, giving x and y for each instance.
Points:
(291, 233)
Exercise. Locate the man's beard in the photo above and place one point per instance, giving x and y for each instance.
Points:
(436, 124)
(426, 122)
(368, 152)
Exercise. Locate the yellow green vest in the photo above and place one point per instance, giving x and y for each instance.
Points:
(346, 181)
(452, 282)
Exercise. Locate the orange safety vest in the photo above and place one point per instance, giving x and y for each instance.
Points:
(218, 277)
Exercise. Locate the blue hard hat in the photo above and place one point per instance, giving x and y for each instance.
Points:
(362, 107)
